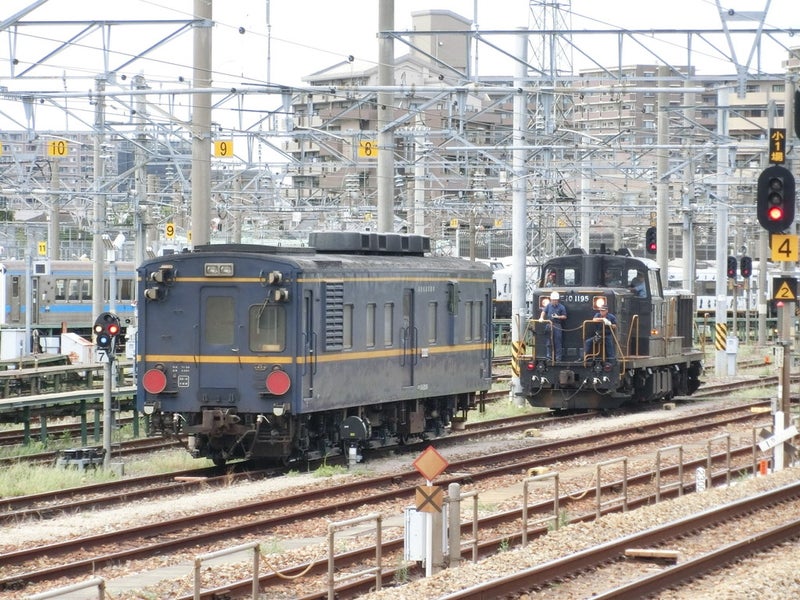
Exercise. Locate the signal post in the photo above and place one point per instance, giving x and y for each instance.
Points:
(106, 329)
(775, 209)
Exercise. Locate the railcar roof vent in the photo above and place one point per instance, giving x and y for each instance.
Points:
(368, 243)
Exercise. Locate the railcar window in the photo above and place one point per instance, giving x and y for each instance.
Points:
(388, 324)
(655, 288)
(432, 308)
(86, 289)
(15, 287)
(267, 328)
(61, 289)
(74, 289)
(126, 289)
(347, 325)
(452, 298)
(370, 333)
(219, 325)
(468, 307)
(477, 312)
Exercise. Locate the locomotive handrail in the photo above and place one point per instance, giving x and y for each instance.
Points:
(595, 322)
(634, 327)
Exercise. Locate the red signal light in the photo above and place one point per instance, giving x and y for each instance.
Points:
(775, 213)
(113, 328)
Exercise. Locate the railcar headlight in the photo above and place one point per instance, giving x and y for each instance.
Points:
(218, 269)
(154, 293)
(280, 295)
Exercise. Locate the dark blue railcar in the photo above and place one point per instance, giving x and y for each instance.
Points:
(357, 340)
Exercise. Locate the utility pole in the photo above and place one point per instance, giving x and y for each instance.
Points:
(385, 173)
(98, 248)
(201, 124)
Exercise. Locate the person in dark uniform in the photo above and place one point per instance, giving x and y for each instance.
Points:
(555, 313)
(606, 325)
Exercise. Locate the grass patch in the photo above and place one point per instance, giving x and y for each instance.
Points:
(23, 480)
(329, 471)
(504, 408)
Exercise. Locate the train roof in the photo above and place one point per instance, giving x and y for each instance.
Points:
(338, 242)
(340, 249)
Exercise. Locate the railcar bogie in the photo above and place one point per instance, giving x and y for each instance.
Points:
(623, 339)
(354, 342)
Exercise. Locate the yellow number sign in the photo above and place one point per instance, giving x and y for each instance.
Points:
(223, 148)
(784, 247)
(170, 230)
(367, 149)
(42, 248)
(57, 148)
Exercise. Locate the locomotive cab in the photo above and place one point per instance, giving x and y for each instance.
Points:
(619, 339)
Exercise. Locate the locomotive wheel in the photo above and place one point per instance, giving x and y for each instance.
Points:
(218, 460)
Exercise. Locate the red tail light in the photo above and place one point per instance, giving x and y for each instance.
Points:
(154, 381)
(278, 382)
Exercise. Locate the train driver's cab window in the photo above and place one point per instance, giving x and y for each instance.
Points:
(637, 283)
(61, 289)
(267, 328)
(655, 284)
(612, 277)
(572, 276)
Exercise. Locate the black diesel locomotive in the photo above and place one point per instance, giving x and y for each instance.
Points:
(647, 356)
(294, 353)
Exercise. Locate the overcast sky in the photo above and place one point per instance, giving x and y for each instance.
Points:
(309, 35)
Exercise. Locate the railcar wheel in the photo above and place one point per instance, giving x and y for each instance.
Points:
(218, 460)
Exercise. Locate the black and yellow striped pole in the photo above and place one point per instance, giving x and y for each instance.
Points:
(721, 336)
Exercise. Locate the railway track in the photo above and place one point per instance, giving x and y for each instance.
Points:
(271, 515)
(756, 529)
(46, 504)
(105, 494)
